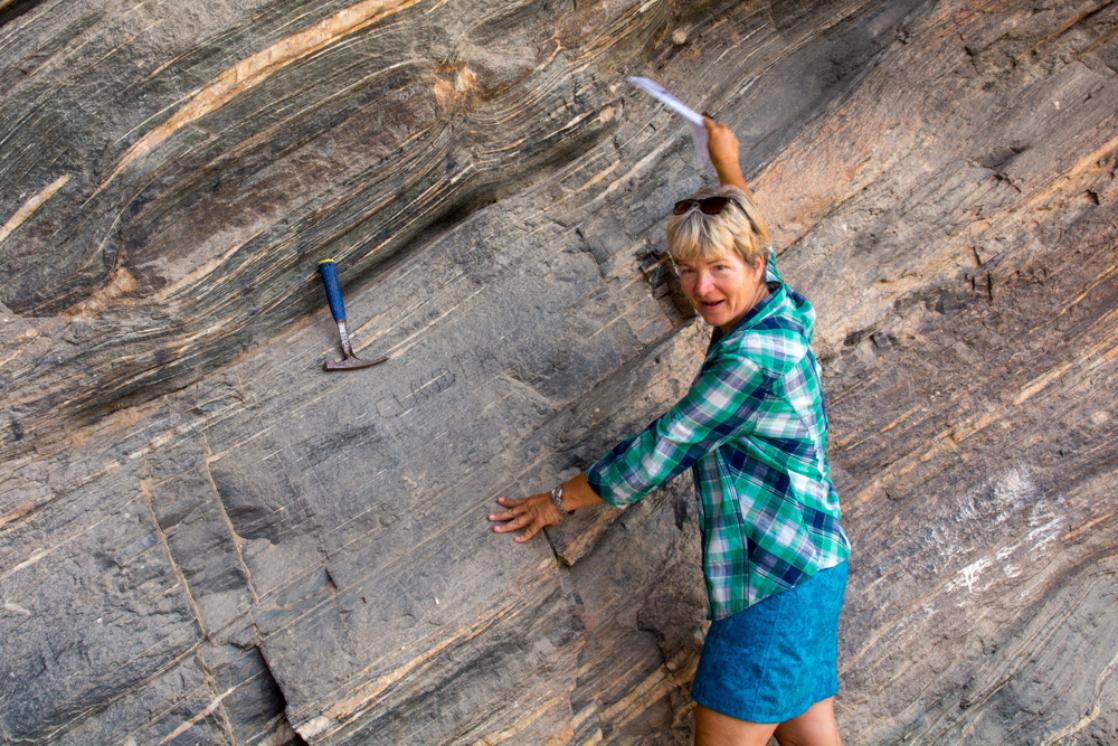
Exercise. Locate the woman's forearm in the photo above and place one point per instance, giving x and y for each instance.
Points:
(577, 493)
(732, 176)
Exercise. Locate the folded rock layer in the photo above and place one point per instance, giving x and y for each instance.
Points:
(204, 538)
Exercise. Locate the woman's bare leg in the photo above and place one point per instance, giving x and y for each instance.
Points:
(816, 727)
(715, 729)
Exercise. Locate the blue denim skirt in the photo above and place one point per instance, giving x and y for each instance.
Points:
(774, 660)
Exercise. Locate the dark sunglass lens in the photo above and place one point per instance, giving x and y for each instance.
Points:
(709, 205)
(714, 205)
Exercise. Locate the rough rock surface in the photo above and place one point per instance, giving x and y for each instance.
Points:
(206, 539)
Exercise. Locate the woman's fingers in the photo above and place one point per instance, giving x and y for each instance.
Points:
(714, 127)
(526, 514)
(532, 530)
(515, 508)
(502, 516)
(515, 524)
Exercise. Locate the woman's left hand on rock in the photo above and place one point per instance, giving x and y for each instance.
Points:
(530, 513)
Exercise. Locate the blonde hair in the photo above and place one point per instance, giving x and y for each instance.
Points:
(694, 234)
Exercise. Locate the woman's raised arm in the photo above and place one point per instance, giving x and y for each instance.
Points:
(722, 145)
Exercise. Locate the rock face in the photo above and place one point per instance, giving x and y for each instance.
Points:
(206, 539)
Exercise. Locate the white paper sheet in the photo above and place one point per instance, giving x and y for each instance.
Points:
(694, 118)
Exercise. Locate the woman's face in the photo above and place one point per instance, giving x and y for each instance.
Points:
(723, 289)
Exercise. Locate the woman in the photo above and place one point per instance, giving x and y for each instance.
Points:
(753, 429)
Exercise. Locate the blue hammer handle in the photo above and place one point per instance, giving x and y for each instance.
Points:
(329, 272)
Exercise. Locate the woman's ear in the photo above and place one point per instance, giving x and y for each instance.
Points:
(759, 268)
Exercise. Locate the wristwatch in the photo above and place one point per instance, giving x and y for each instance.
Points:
(557, 498)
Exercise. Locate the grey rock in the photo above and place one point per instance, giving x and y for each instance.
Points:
(206, 539)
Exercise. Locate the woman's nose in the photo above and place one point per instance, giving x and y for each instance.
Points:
(704, 283)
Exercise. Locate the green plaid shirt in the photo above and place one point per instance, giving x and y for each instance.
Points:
(753, 430)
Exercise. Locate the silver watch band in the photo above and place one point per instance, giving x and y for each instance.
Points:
(557, 498)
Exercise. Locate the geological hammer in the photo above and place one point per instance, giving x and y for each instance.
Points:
(329, 273)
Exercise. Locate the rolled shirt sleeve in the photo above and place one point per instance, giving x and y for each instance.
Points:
(724, 399)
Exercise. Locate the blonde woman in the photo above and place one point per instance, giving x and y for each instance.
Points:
(753, 430)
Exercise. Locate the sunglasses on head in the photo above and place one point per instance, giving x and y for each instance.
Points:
(708, 205)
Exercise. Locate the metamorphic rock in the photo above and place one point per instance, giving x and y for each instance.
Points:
(204, 538)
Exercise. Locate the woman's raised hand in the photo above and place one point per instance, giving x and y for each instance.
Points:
(531, 514)
(722, 145)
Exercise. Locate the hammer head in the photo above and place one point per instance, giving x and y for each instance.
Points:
(352, 362)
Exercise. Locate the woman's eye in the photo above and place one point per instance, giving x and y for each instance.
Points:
(686, 271)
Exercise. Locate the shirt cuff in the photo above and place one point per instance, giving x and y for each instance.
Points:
(600, 485)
